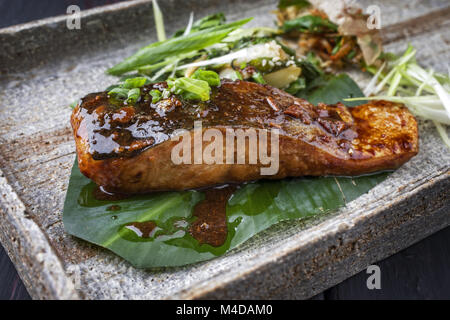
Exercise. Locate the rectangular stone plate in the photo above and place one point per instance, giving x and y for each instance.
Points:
(44, 67)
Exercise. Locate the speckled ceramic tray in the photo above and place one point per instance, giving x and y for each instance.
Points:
(44, 67)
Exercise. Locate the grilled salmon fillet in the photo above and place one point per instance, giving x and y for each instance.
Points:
(127, 148)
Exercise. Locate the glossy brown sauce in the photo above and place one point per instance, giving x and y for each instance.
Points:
(142, 229)
(99, 193)
(210, 227)
(116, 129)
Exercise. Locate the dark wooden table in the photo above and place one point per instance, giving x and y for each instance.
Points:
(421, 271)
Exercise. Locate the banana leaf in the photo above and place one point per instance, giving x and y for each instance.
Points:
(252, 208)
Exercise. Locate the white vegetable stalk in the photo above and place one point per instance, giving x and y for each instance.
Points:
(159, 21)
(219, 60)
(189, 26)
(185, 33)
(248, 32)
(403, 60)
(371, 86)
(443, 133)
(422, 75)
(264, 50)
(162, 71)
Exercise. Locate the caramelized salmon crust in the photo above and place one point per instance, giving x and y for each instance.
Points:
(127, 148)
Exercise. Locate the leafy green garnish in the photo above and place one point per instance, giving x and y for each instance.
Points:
(133, 95)
(129, 89)
(159, 51)
(332, 89)
(296, 86)
(286, 49)
(131, 83)
(309, 23)
(261, 64)
(190, 89)
(170, 61)
(210, 21)
(298, 3)
(211, 77)
(312, 58)
(337, 47)
(351, 54)
(156, 95)
(74, 104)
(246, 42)
(232, 75)
(310, 71)
(197, 87)
(258, 78)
